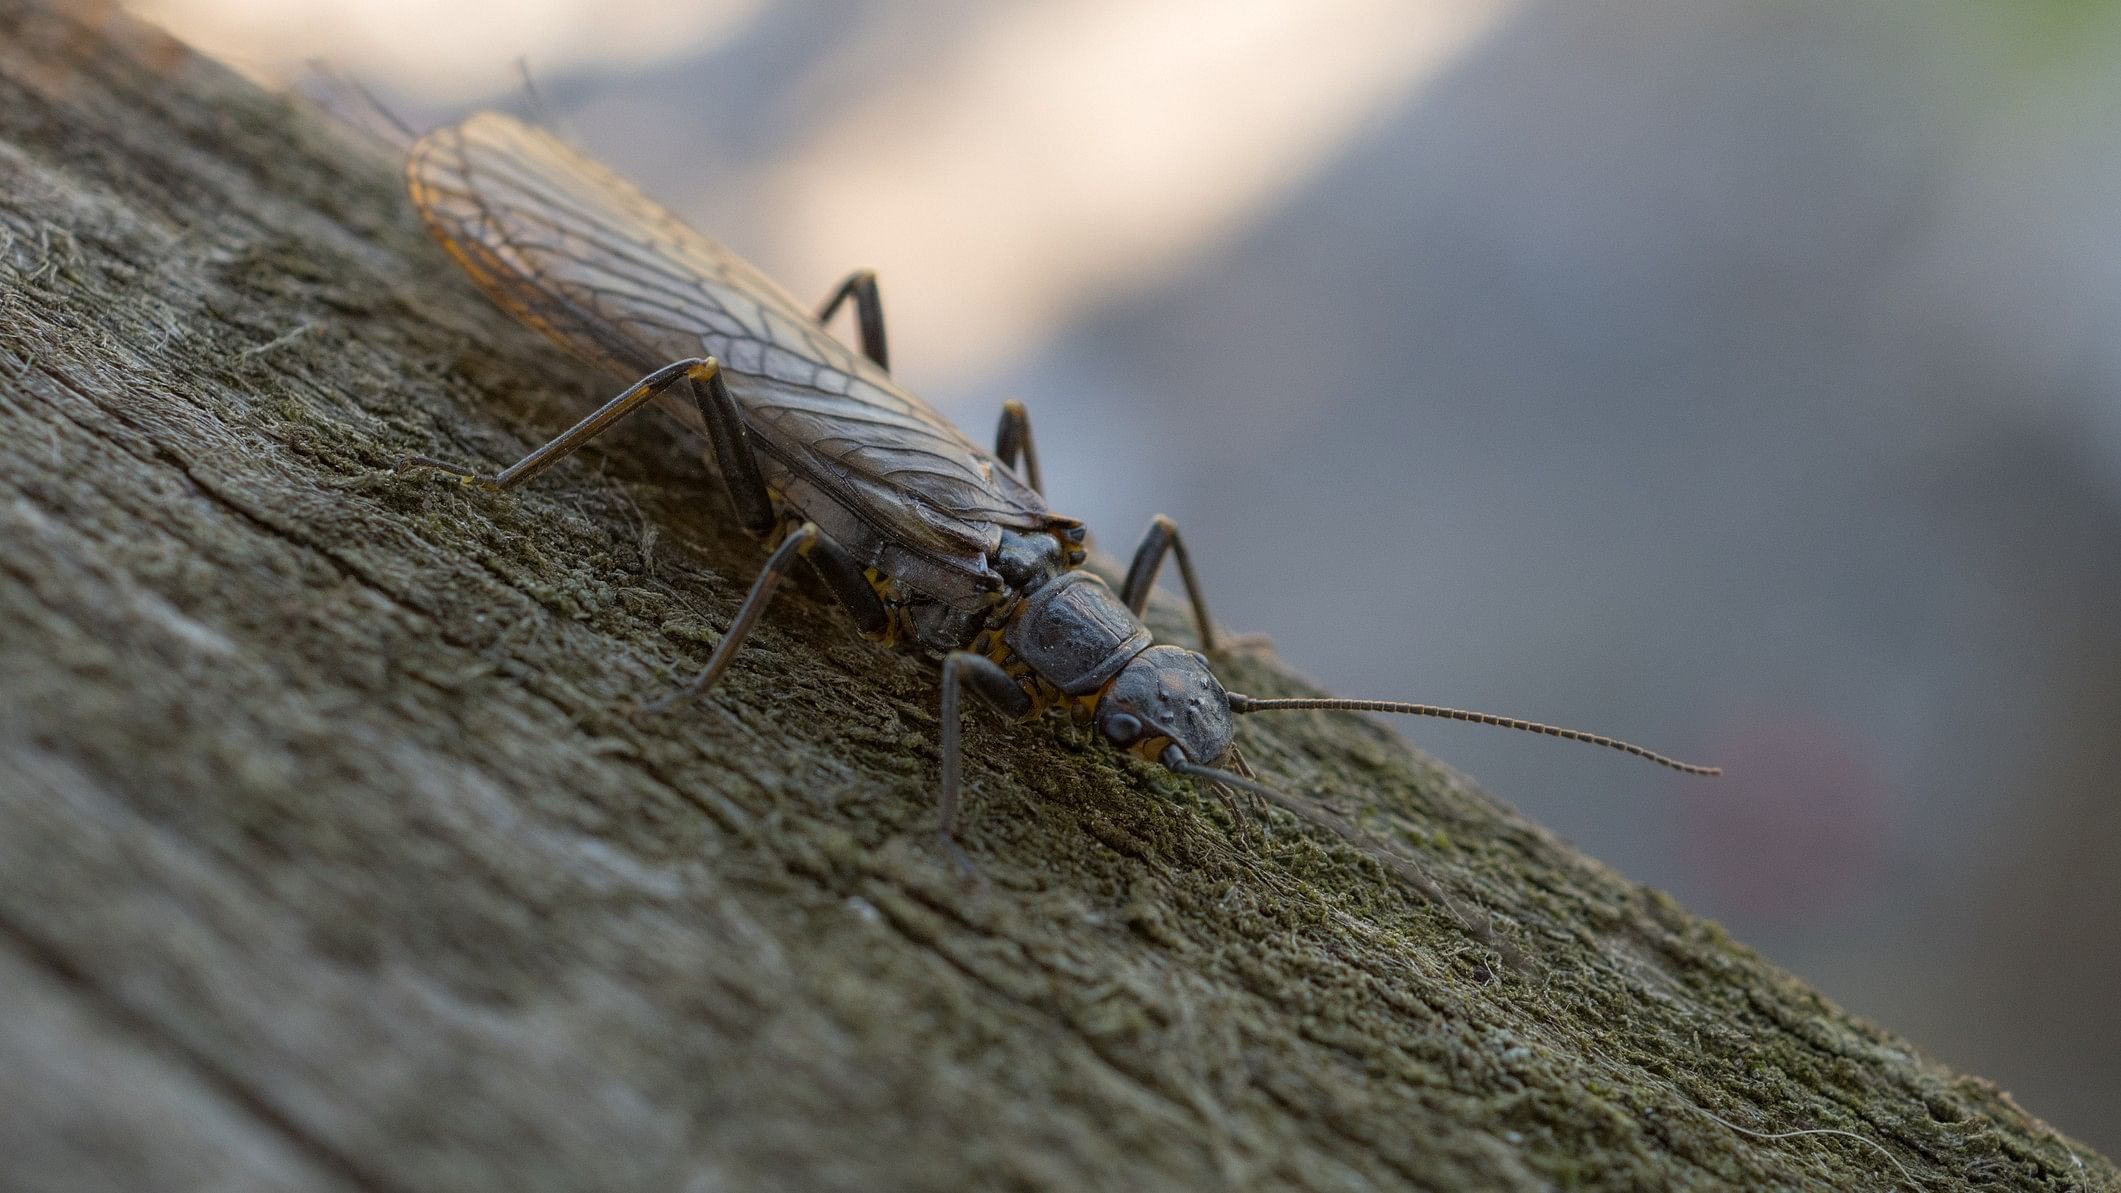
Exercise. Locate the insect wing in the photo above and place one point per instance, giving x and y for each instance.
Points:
(575, 251)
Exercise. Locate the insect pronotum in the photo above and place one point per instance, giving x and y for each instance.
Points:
(929, 540)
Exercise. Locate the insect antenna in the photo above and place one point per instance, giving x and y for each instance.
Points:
(1174, 760)
(1248, 704)
(541, 113)
(1397, 864)
(350, 100)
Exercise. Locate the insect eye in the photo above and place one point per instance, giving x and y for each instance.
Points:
(1122, 727)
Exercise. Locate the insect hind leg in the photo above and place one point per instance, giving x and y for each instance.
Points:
(733, 456)
(568, 442)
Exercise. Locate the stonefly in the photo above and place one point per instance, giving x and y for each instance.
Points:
(928, 540)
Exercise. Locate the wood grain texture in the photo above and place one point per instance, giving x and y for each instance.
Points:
(330, 859)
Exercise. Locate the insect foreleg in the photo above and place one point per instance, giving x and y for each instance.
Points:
(986, 677)
(1013, 439)
(799, 542)
(571, 440)
(1163, 537)
(868, 313)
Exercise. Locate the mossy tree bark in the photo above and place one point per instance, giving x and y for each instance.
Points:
(329, 857)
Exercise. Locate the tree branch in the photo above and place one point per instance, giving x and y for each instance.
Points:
(332, 859)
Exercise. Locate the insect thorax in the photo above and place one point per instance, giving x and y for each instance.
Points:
(1060, 631)
(1066, 639)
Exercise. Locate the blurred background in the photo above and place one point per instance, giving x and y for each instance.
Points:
(1743, 379)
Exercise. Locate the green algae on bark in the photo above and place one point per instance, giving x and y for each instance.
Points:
(333, 859)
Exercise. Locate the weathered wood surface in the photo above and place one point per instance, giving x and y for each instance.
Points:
(329, 859)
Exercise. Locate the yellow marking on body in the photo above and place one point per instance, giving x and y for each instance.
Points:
(898, 624)
(485, 267)
(992, 642)
(1150, 748)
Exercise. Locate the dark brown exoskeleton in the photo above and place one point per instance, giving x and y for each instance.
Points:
(928, 540)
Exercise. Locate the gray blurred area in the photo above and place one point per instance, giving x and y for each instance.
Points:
(1743, 379)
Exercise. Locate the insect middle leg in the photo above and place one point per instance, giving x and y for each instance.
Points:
(868, 313)
(962, 668)
(800, 542)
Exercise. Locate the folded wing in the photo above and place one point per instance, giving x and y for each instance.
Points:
(572, 249)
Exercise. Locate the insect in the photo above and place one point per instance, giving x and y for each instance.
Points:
(928, 540)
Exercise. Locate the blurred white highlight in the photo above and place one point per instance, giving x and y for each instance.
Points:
(449, 52)
(1064, 151)
(1034, 160)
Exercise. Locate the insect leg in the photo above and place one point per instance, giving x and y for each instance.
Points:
(1149, 559)
(1013, 438)
(572, 439)
(986, 677)
(799, 542)
(843, 576)
(739, 465)
(868, 313)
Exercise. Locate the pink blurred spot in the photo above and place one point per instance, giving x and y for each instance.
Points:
(1797, 824)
